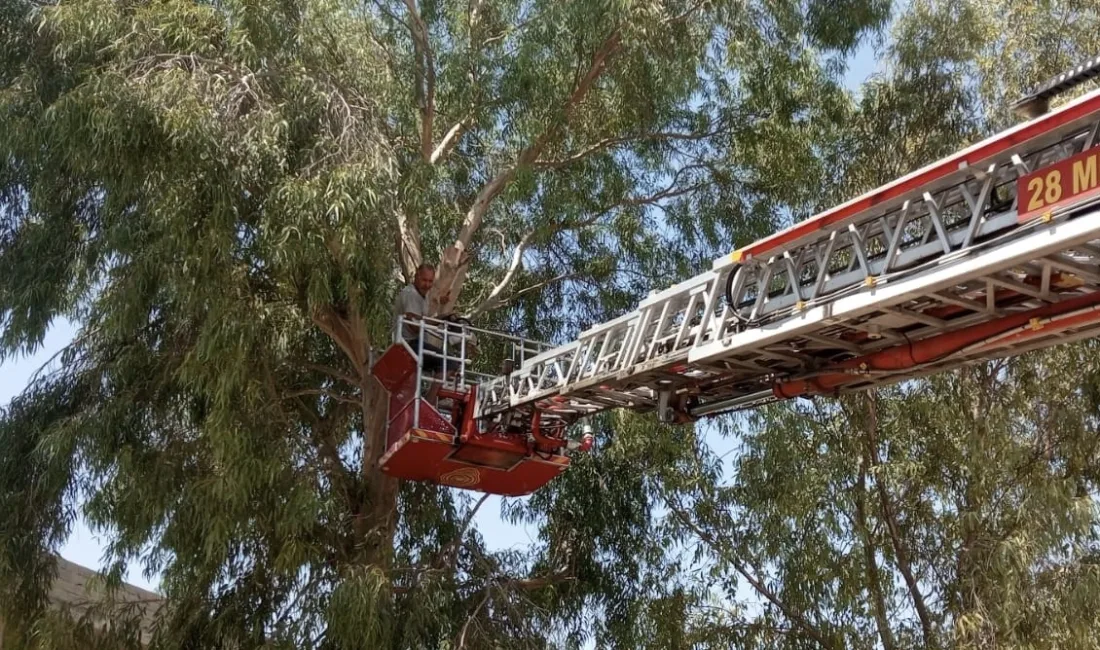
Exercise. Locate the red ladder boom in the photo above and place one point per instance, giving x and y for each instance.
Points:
(817, 307)
(990, 252)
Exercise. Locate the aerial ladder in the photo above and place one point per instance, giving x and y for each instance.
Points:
(990, 252)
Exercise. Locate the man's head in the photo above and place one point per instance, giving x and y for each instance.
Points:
(425, 277)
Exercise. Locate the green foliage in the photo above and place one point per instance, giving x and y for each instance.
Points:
(956, 511)
(962, 507)
(225, 196)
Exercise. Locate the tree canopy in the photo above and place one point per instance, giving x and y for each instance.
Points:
(225, 196)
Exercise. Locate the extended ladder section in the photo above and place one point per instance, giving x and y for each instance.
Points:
(987, 253)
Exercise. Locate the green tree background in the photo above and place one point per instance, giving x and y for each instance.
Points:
(226, 195)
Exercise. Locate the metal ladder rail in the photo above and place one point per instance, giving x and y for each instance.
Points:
(1030, 136)
(1054, 255)
(1073, 245)
(559, 375)
(1045, 246)
(618, 348)
(877, 244)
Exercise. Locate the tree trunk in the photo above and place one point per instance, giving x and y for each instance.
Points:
(377, 523)
(970, 586)
(375, 517)
(874, 584)
(901, 551)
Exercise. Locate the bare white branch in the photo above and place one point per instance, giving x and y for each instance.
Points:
(454, 272)
(450, 139)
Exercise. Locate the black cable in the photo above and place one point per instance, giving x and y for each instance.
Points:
(729, 295)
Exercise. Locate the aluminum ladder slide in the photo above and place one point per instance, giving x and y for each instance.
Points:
(990, 252)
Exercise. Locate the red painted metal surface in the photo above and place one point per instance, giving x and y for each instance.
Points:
(434, 450)
(421, 455)
(543, 440)
(396, 368)
(1071, 180)
(973, 156)
(904, 357)
(1055, 325)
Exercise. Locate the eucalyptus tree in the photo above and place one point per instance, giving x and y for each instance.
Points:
(954, 511)
(225, 197)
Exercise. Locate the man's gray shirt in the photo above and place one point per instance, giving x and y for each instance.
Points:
(409, 301)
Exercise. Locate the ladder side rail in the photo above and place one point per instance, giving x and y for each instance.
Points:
(548, 371)
(711, 327)
(977, 225)
(768, 303)
(857, 278)
(1027, 136)
(655, 363)
(620, 350)
(950, 191)
(623, 339)
(687, 317)
(651, 349)
(638, 338)
(1041, 242)
(855, 246)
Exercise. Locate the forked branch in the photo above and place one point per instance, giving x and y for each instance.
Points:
(528, 155)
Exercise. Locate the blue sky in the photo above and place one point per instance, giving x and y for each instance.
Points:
(85, 548)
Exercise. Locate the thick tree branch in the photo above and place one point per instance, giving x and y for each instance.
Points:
(672, 190)
(500, 302)
(425, 77)
(494, 298)
(408, 242)
(476, 213)
(450, 139)
(345, 337)
(513, 268)
(901, 553)
(561, 277)
(374, 516)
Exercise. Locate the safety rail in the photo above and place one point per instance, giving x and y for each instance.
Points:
(934, 252)
(466, 355)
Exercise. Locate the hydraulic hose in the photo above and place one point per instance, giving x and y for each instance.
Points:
(729, 294)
